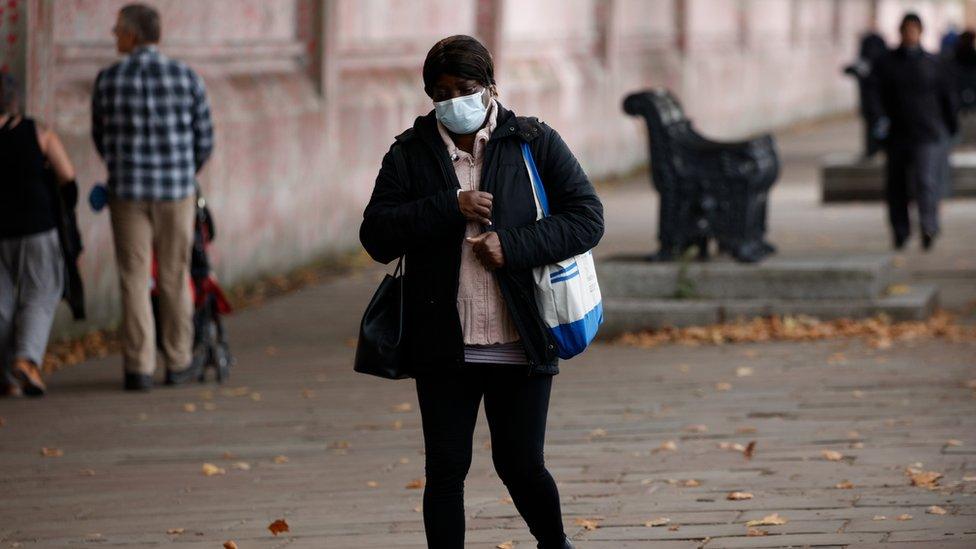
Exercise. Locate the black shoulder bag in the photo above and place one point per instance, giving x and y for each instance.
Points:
(380, 350)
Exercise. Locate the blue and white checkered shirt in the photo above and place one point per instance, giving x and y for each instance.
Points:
(151, 124)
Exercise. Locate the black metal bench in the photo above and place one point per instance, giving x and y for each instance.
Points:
(709, 189)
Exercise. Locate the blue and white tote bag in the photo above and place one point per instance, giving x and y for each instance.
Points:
(566, 293)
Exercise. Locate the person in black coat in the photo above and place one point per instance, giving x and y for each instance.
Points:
(873, 49)
(917, 97)
(453, 197)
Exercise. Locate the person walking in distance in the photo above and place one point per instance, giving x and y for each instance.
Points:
(914, 92)
(151, 125)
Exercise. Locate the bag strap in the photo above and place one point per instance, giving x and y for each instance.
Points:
(538, 191)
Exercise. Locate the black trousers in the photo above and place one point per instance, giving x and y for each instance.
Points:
(919, 170)
(516, 406)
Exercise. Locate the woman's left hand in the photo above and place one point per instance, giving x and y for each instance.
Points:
(488, 249)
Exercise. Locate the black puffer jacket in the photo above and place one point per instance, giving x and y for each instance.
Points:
(414, 211)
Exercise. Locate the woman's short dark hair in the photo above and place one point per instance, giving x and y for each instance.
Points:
(10, 102)
(143, 21)
(910, 18)
(460, 56)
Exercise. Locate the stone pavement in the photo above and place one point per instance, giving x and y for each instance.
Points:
(635, 435)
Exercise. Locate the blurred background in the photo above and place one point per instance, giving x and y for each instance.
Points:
(308, 94)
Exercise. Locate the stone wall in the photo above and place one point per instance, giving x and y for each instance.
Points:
(308, 94)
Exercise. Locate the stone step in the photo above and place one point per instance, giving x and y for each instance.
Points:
(847, 177)
(917, 302)
(850, 277)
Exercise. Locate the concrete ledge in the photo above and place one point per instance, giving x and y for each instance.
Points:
(632, 315)
(847, 177)
(846, 277)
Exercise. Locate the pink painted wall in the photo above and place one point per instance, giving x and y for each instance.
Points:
(308, 94)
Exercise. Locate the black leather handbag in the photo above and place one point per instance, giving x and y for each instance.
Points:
(380, 350)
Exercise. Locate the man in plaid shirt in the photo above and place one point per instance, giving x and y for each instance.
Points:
(151, 125)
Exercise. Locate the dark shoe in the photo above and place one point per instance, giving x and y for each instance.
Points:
(927, 241)
(900, 242)
(11, 390)
(29, 377)
(138, 382)
(564, 545)
(189, 373)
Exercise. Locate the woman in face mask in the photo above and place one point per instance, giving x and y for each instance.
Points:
(454, 197)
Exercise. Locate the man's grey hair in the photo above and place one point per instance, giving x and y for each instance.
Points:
(10, 102)
(142, 21)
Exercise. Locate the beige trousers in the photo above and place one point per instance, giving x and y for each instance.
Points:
(139, 227)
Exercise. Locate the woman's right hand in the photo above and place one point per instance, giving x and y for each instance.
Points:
(476, 206)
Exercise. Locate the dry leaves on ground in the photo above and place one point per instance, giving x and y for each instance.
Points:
(52, 452)
(879, 331)
(230, 545)
(923, 479)
(844, 485)
(402, 407)
(281, 459)
(189, 407)
(935, 510)
(904, 517)
(737, 496)
(209, 469)
(588, 524)
(666, 446)
(175, 531)
(506, 545)
(753, 532)
(768, 520)
(277, 527)
(660, 521)
(415, 484)
(690, 483)
(832, 455)
(750, 449)
(723, 386)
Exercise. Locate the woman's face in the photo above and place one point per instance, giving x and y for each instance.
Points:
(449, 87)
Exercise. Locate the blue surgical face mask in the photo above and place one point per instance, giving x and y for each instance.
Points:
(462, 115)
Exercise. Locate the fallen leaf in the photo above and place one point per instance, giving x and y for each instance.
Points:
(277, 527)
(397, 425)
(690, 483)
(753, 532)
(743, 371)
(242, 466)
(402, 407)
(905, 516)
(281, 459)
(844, 485)
(737, 496)
(660, 521)
(923, 479)
(175, 531)
(953, 442)
(230, 545)
(372, 483)
(52, 452)
(768, 520)
(667, 446)
(750, 448)
(832, 455)
(209, 469)
(505, 545)
(415, 484)
(588, 524)
(189, 407)
(595, 433)
(880, 517)
(723, 386)
(87, 472)
(697, 428)
(674, 527)
(935, 510)
(418, 509)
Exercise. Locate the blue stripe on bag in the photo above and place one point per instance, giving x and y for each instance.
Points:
(562, 271)
(540, 191)
(571, 276)
(573, 338)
